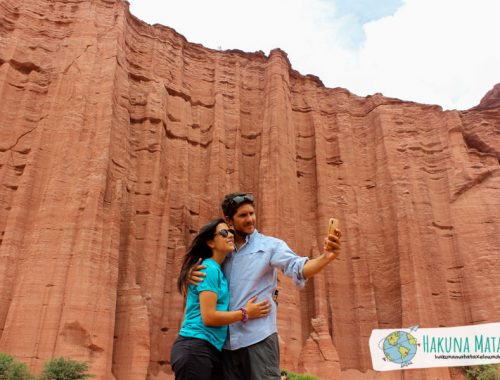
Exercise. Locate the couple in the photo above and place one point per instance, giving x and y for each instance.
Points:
(229, 328)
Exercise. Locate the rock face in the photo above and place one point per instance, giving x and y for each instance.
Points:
(118, 140)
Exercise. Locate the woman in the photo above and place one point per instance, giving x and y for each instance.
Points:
(196, 352)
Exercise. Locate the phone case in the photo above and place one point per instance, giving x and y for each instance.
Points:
(332, 225)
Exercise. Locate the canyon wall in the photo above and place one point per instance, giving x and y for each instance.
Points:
(118, 140)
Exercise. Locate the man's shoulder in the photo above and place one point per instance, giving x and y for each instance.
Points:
(266, 239)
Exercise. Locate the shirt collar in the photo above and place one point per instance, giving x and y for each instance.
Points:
(250, 237)
(248, 240)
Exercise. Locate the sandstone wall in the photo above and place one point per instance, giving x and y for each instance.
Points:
(118, 140)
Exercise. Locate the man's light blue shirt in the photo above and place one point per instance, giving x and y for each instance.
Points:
(251, 271)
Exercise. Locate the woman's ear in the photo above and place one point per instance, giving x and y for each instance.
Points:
(211, 243)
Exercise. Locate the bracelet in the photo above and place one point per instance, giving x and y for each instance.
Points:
(244, 315)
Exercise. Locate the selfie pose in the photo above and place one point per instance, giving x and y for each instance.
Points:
(251, 350)
(196, 352)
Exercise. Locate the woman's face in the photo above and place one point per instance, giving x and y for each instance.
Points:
(221, 243)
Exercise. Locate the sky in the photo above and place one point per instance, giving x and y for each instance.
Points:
(444, 52)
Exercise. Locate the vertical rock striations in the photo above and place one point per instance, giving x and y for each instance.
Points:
(118, 140)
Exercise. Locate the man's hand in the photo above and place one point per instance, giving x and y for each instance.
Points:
(332, 245)
(331, 251)
(195, 275)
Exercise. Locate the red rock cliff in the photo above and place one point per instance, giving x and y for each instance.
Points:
(118, 140)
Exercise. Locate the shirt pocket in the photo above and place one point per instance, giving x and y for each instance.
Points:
(253, 265)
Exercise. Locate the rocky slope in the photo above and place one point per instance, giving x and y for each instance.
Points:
(118, 140)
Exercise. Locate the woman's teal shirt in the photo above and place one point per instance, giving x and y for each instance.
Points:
(193, 326)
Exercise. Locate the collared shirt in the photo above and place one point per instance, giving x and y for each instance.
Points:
(251, 271)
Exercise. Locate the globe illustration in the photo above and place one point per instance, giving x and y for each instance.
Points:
(400, 347)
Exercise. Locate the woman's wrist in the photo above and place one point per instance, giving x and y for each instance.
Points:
(244, 315)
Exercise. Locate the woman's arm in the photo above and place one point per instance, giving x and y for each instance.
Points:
(213, 317)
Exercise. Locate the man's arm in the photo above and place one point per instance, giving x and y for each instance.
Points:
(195, 274)
(332, 250)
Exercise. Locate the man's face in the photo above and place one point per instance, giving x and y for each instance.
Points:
(244, 220)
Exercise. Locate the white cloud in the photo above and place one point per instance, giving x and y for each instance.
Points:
(441, 51)
(431, 51)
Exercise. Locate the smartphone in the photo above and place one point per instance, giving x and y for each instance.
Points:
(333, 224)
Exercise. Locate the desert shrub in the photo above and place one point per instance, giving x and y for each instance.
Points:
(65, 369)
(482, 372)
(11, 369)
(301, 376)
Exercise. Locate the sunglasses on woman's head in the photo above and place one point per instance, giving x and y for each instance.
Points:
(225, 233)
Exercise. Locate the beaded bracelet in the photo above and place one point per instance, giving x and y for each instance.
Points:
(244, 315)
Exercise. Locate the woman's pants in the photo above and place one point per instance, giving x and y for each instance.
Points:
(195, 359)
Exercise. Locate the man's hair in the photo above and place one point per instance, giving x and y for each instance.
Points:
(233, 201)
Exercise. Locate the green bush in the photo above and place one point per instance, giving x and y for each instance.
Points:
(65, 369)
(300, 376)
(11, 369)
(482, 372)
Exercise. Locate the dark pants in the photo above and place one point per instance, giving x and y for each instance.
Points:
(260, 361)
(195, 359)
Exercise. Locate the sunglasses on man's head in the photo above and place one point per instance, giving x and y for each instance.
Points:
(239, 199)
(225, 233)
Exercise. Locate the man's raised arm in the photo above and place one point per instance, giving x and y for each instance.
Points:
(331, 251)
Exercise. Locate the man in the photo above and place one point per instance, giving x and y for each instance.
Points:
(251, 350)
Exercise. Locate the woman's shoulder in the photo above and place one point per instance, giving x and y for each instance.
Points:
(213, 273)
(211, 265)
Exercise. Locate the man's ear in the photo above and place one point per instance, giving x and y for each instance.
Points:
(228, 220)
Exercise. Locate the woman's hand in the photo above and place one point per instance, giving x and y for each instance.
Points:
(259, 309)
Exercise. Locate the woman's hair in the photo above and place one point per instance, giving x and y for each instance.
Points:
(197, 250)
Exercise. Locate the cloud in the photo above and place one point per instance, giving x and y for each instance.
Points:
(440, 52)
(352, 15)
(430, 51)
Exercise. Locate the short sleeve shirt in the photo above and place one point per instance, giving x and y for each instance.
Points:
(193, 326)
